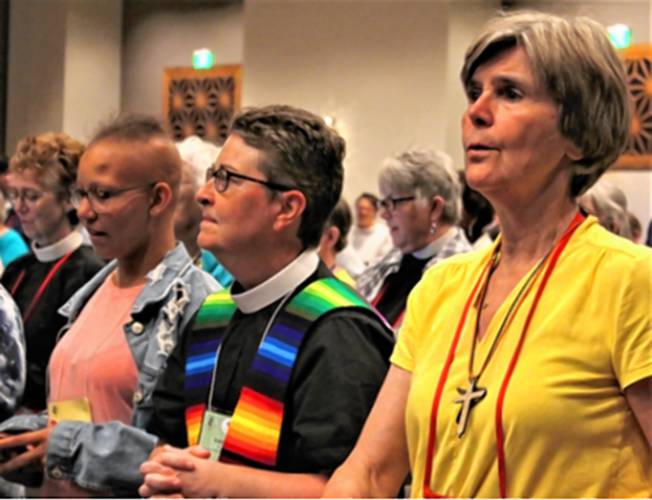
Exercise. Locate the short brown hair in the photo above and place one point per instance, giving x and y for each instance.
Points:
(302, 152)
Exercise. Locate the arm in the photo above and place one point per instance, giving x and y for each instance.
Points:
(102, 457)
(12, 356)
(181, 471)
(379, 463)
(639, 398)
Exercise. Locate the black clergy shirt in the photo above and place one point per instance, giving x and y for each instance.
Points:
(339, 369)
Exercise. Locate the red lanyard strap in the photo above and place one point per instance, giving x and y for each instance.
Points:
(39, 293)
(500, 450)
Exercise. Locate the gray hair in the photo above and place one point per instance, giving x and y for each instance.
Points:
(427, 174)
(197, 156)
(575, 62)
(610, 207)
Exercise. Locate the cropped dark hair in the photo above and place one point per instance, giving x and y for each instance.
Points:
(301, 151)
(133, 127)
(341, 218)
(370, 197)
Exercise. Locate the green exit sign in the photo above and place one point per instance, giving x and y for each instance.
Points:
(202, 59)
(620, 35)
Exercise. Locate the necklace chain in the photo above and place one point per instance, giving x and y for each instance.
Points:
(506, 319)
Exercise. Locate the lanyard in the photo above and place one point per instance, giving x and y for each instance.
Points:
(211, 391)
(500, 448)
(39, 293)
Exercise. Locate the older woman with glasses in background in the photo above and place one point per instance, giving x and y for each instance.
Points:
(421, 204)
(42, 174)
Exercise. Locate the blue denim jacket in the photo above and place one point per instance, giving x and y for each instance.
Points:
(106, 457)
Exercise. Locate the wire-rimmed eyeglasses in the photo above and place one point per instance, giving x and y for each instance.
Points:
(221, 177)
(100, 198)
(28, 196)
(389, 203)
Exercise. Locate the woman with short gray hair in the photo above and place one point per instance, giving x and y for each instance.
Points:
(533, 355)
(421, 204)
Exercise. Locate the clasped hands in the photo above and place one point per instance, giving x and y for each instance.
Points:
(22, 450)
(177, 473)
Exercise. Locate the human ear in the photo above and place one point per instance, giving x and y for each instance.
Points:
(292, 205)
(573, 152)
(161, 197)
(437, 209)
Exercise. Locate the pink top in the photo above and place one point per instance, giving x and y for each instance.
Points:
(94, 361)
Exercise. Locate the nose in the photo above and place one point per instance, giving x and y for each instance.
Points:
(480, 112)
(206, 193)
(85, 211)
(20, 205)
(385, 213)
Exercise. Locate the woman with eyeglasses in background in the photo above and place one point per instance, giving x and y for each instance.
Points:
(421, 203)
(42, 174)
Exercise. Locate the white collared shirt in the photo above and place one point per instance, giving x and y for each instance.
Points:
(57, 250)
(278, 285)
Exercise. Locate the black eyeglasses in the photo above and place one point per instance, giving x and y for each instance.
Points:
(390, 203)
(221, 176)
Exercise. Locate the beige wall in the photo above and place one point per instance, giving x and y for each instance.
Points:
(64, 69)
(156, 36)
(35, 73)
(380, 68)
(92, 65)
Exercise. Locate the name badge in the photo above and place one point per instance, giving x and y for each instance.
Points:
(72, 409)
(214, 427)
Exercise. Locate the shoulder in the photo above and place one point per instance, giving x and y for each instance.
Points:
(9, 314)
(201, 280)
(352, 328)
(86, 256)
(609, 261)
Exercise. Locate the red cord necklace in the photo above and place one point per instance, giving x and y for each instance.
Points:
(41, 289)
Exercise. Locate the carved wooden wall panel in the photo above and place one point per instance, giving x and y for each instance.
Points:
(201, 102)
(638, 61)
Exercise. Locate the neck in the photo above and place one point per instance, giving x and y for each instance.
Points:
(530, 231)
(57, 235)
(328, 258)
(132, 269)
(192, 247)
(252, 270)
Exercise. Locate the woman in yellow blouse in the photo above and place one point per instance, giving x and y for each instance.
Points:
(525, 370)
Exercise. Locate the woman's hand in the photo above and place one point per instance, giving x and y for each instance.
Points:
(172, 471)
(25, 449)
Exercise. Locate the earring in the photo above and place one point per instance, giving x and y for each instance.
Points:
(433, 227)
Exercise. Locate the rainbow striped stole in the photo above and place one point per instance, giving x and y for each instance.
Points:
(206, 336)
(255, 428)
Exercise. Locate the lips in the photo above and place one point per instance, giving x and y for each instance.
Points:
(480, 147)
(94, 233)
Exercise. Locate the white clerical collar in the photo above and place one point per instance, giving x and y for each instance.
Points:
(279, 285)
(435, 246)
(57, 250)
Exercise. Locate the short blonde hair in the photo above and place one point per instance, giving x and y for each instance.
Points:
(53, 157)
(575, 62)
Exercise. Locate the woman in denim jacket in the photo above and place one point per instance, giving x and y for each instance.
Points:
(127, 187)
